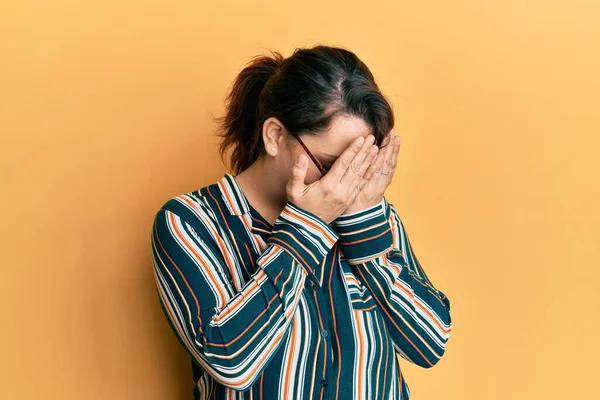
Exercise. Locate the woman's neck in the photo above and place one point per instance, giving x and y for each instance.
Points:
(263, 189)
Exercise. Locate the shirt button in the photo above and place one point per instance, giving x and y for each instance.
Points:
(324, 333)
(324, 383)
(315, 286)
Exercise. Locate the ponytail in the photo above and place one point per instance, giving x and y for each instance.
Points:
(239, 127)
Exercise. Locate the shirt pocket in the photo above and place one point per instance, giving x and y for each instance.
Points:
(359, 294)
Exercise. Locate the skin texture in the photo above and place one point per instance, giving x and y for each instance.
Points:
(359, 175)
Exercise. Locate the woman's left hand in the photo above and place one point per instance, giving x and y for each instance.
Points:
(379, 175)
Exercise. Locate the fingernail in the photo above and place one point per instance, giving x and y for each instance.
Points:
(371, 138)
(361, 140)
(300, 161)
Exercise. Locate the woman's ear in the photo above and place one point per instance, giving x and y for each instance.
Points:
(273, 134)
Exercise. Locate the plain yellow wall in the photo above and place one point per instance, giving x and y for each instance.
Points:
(105, 112)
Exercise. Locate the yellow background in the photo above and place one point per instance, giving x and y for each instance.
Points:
(105, 112)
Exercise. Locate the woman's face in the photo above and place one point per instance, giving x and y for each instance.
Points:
(326, 147)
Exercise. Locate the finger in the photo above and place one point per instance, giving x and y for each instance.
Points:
(394, 155)
(379, 163)
(372, 168)
(360, 158)
(357, 165)
(296, 184)
(342, 164)
(378, 173)
(391, 157)
(358, 187)
(371, 156)
(360, 181)
(381, 169)
(388, 138)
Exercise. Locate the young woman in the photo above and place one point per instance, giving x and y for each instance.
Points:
(295, 278)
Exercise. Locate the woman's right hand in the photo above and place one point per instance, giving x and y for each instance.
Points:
(331, 195)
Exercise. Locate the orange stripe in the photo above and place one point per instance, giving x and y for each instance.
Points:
(262, 378)
(396, 325)
(368, 228)
(367, 239)
(226, 254)
(299, 244)
(277, 277)
(262, 223)
(247, 328)
(217, 237)
(302, 263)
(266, 353)
(182, 241)
(259, 362)
(234, 303)
(294, 214)
(421, 307)
(411, 295)
(178, 270)
(250, 257)
(370, 308)
(359, 357)
(224, 191)
(288, 369)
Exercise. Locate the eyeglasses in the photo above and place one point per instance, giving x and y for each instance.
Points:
(320, 166)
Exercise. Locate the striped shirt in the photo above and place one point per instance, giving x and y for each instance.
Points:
(298, 310)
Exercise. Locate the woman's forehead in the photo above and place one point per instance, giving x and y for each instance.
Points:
(343, 130)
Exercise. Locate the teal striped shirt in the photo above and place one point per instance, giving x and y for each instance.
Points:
(298, 310)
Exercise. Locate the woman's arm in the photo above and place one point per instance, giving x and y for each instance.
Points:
(417, 314)
(233, 336)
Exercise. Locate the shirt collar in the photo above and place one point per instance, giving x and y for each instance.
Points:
(232, 195)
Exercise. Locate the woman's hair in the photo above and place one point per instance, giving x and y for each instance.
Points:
(305, 92)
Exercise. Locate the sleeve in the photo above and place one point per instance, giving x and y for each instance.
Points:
(233, 336)
(375, 243)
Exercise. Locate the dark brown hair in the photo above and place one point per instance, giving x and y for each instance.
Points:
(305, 92)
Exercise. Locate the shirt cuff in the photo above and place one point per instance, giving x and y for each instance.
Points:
(365, 234)
(304, 236)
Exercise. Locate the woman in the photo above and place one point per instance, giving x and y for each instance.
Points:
(295, 279)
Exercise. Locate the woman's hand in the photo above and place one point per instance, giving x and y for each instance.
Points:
(378, 176)
(330, 196)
